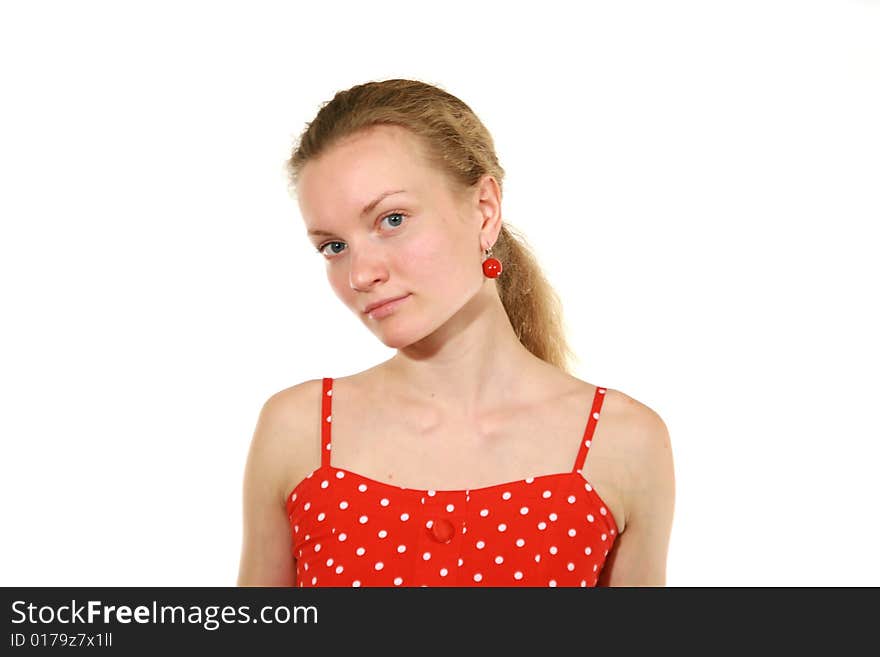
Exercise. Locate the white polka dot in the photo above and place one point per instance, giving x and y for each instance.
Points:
(314, 580)
(363, 520)
(524, 510)
(443, 572)
(571, 532)
(429, 524)
(343, 504)
(481, 545)
(552, 582)
(329, 418)
(542, 525)
(362, 487)
(583, 582)
(343, 536)
(384, 501)
(293, 498)
(307, 505)
(505, 495)
(432, 493)
(325, 483)
(529, 480)
(588, 442)
(360, 551)
(546, 494)
(329, 562)
(553, 517)
(317, 547)
(339, 569)
(450, 508)
(520, 542)
(571, 499)
(596, 415)
(595, 567)
(499, 559)
(588, 487)
(382, 533)
(355, 583)
(398, 581)
(379, 565)
(404, 517)
(588, 550)
(340, 474)
(517, 575)
(426, 556)
(603, 511)
(604, 536)
(321, 516)
(477, 577)
(484, 512)
(553, 549)
(460, 562)
(590, 517)
(570, 565)
(537, 558)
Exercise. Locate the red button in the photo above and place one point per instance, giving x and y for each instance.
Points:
(443, 530)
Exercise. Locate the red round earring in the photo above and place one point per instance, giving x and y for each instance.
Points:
(491, 266)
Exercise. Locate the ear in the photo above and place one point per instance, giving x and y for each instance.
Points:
(487, 197)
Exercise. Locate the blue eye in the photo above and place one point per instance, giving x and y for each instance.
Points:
(320, 249)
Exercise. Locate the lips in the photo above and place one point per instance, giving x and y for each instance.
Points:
(376, 304)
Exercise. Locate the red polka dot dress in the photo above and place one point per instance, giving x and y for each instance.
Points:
(350, 530)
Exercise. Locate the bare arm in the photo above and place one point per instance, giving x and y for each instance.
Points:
(639, 555)
(266, 558)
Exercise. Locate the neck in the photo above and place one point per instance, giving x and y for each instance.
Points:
(472, 364)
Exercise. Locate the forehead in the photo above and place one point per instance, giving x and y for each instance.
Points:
(351, 173)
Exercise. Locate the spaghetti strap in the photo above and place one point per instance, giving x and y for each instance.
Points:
(598, 398)
(326, 416)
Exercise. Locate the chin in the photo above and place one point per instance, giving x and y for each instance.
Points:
(398, 337)
(395, 341)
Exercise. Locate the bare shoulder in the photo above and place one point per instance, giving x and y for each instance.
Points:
(643, 452)
(641, 427)
(642, 442)
(286, 433)
(288, 405)
(277, 448)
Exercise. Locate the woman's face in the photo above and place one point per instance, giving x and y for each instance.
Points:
(421, 240)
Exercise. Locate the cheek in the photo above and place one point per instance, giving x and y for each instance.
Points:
(339, 283)
(433, 255)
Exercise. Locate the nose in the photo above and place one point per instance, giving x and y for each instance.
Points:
(367, 269)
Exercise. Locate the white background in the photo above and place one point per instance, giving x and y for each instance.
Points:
(701, 182)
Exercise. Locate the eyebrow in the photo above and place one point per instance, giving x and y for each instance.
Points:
(367, 208)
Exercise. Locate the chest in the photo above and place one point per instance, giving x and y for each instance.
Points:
(349, 530)
(426, 449)
(385, 445)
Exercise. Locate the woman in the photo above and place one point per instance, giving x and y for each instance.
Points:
(462, 460)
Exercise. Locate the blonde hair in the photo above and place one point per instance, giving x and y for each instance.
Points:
(458, 144)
